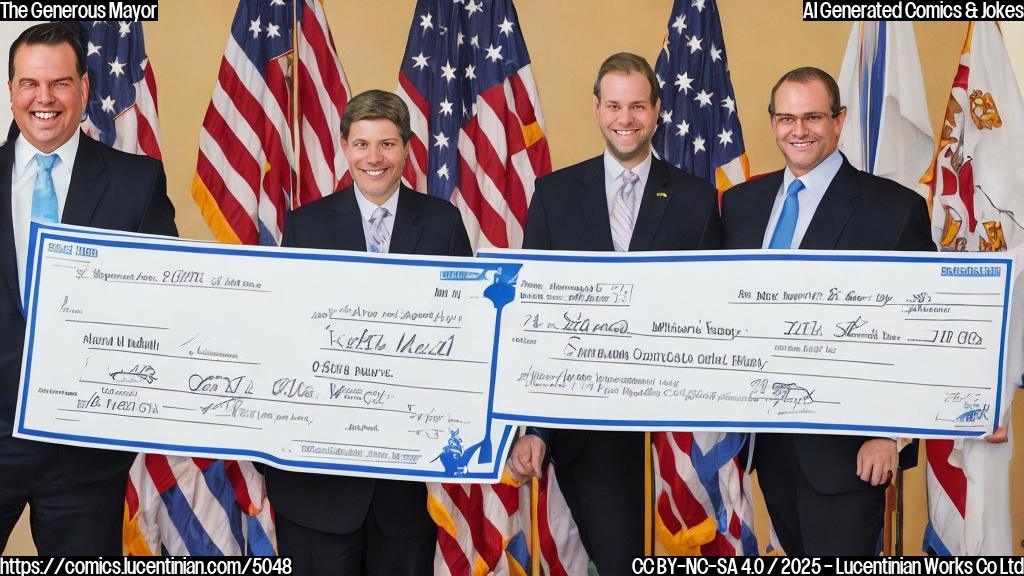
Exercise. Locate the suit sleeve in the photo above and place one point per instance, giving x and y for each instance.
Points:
(711, 237)
(459, 244)
(545, 434)
(536, 235)
(158, 217)
(288, 238)
(916, 234)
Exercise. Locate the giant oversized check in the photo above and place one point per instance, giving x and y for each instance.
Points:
(852, 343)
(310, 360)
(406, 367)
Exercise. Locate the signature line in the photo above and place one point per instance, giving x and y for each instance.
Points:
(834, 360)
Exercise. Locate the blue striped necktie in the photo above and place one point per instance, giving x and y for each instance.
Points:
(44, 196)
(782, 238)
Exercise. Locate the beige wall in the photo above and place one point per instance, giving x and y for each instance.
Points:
(567, 41)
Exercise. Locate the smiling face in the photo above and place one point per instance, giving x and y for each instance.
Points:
(804, 143)
(626, 116)
(47, 95)
(376, 155)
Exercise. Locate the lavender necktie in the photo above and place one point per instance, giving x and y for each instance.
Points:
(622, 212)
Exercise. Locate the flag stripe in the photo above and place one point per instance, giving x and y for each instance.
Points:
(239, 220)
(323, 92)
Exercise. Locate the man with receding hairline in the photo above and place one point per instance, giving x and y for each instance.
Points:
(623, 200)
(825, 493)
(51, 172)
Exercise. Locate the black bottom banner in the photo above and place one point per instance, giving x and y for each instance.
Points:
(101, 565)
(812, 565)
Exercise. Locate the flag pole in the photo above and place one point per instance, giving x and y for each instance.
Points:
(648, 498)
(898, 537)
(887, 520)
(296, 141)
(534, 531)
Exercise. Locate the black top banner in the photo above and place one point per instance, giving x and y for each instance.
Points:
(921, 10)
(124, 10)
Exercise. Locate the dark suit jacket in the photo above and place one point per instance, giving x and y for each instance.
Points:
(569, 211)
(109, 189)
(339, 504)
(859, 211)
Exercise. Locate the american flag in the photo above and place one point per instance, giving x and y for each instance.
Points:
(178, 506)
(478, 132)
(699, 130)
(247, 175)
(702, 497)
(561, 550)
(173, 505)
(122, 110)
(481, 529)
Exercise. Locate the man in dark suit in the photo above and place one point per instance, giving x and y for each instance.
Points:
(623, 200)
(345, 525)
(50, 171)
(825, 494)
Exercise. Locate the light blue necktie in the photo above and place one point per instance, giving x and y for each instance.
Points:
(44, 196)
(782, 238)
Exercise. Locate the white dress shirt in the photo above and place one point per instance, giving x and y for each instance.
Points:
(816, 182)
(366, 209)
(23, 179)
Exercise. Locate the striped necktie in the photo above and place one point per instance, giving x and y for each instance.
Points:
(44, 196)
(782, 238)
(622, 212)
(380, 238)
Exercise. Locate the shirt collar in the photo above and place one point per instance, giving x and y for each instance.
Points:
(613, 170)
(366, 207)
(819, 178)
(25, 152)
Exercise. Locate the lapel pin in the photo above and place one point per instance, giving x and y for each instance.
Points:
(662, 194)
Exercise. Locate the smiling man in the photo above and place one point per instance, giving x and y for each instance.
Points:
(51, 172)
(348, 526)
(825, 494)
(624, 200)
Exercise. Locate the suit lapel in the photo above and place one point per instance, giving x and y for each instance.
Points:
(748, 231)
(594, 204)
(762, 209)
(406, 232)
(348, 229)
(89, 181)
(835, 209)
(652, 206)
(8, 256)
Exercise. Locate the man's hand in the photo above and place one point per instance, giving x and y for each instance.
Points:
(877, 460)
(525, 459)
(999, 436)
